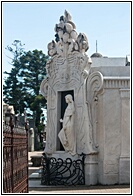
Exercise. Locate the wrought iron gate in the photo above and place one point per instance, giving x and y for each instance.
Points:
(62, 172)
(15, 160)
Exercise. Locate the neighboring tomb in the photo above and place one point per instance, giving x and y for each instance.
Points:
(98, 118)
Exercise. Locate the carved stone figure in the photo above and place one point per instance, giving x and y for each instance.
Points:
(69, 70)
(67, 135)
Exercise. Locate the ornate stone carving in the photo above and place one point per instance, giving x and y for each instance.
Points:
(117, 82)
(44, 88)
(68, 69)
(86, 136)
(94, 85)
(94, 88)
(67, 39)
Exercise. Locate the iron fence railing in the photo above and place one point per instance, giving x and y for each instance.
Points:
(62, 172)
(15, 160)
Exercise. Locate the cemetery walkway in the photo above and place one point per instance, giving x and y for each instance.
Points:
(35, 186)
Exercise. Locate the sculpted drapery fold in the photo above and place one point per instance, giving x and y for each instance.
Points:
(67, 133)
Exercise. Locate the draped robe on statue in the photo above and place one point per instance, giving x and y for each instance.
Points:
(66, 134)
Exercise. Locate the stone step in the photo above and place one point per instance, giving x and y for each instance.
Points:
(32, 169)
(36, 185)
(34, 173)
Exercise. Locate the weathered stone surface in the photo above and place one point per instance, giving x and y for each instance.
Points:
(100, 91)
(68, 70)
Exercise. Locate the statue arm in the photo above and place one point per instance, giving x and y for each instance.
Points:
(61, 120)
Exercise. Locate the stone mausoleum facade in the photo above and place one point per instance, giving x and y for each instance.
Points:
(100, 91)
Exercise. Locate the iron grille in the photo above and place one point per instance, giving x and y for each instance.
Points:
(62, 172)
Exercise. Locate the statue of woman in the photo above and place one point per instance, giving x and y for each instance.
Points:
(67, 135)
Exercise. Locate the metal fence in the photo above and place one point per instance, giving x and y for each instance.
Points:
(15, 160)
(62, 172)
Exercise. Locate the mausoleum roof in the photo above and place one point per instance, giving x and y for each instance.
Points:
(108, 61)
(96, 54)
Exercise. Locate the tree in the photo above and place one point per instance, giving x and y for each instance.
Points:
(33, 71)
(22, 86)
(12, 89)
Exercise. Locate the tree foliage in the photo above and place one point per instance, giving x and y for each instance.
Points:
(12, 89)
(33, 71)
(21, 87)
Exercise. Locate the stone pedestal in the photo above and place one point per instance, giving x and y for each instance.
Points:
(32, 143)
(31, 140)
(91, 168)
(64, 155)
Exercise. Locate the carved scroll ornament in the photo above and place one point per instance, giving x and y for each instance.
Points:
(94, 85)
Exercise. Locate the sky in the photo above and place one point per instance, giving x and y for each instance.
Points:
(33, 24)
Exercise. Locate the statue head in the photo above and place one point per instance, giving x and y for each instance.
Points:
(69, 98)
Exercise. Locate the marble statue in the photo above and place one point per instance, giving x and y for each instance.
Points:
(68, 69)
(67, 135)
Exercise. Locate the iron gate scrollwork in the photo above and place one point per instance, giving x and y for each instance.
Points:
(62, 172)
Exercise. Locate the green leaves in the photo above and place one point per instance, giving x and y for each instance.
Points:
(22, 85)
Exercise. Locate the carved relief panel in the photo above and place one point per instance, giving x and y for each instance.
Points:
(68, 70)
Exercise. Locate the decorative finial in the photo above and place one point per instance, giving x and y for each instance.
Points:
(96, 45)
(67, 39)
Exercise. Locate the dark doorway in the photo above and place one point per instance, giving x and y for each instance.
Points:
(63, 107)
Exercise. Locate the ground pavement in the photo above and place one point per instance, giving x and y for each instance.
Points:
(35, 186)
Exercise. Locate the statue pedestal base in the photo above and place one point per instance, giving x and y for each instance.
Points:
(63, 155)
(91, 168)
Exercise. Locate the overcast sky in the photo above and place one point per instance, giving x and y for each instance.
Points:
(33, 24)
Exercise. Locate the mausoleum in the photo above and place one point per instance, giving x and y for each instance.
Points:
(88, 107)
